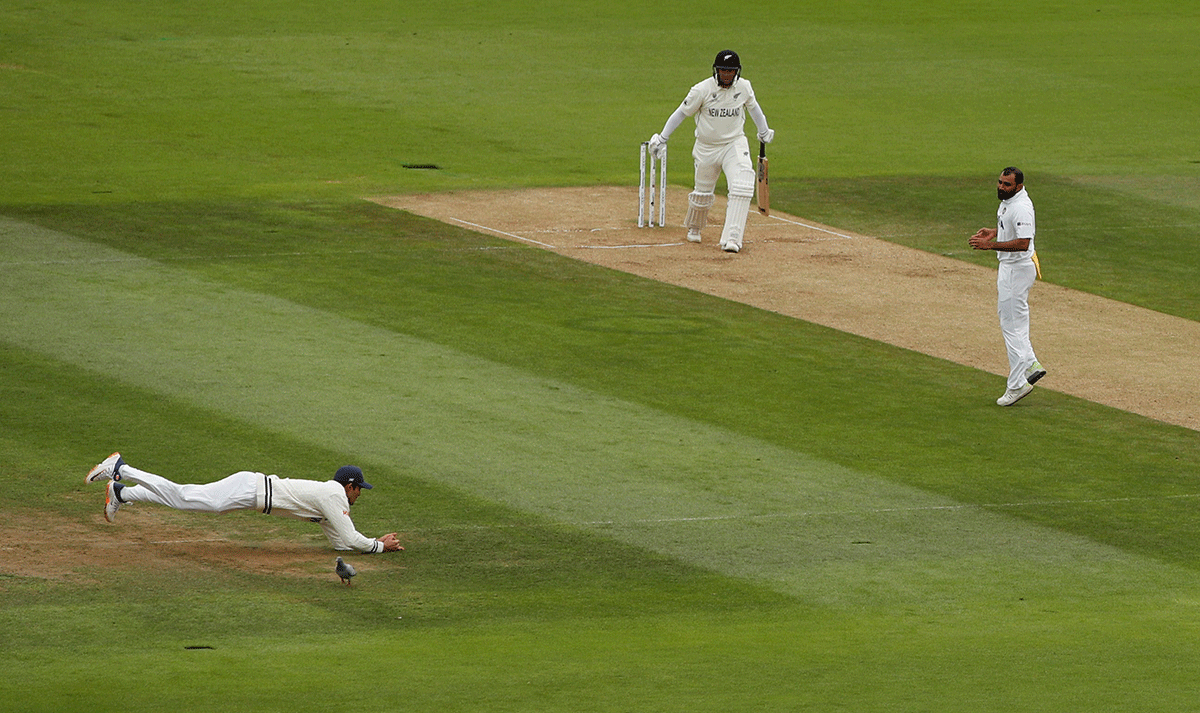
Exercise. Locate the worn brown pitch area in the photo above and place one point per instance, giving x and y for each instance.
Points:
(1094, 348)
(36, 545)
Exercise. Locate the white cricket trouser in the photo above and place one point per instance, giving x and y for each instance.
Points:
(236, 492)
(1013, 283)
(733, 158)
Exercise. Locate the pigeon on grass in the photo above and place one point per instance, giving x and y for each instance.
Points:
(345, 571)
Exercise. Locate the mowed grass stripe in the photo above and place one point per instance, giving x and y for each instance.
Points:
(704, 494)
(684, 663)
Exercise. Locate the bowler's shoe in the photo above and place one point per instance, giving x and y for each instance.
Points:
(1012, 396)
(1034, 372)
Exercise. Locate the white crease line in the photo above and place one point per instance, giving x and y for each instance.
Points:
(813, 227)
(619, 247)
(501, 232)
(562, 247)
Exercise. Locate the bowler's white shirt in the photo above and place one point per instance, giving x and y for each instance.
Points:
(1014, 221)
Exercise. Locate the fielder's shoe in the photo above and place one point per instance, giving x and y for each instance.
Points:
(1011, 396)
(693, 236)
(112, 500)
(1034, 372)
(731, 247)
(109, 469)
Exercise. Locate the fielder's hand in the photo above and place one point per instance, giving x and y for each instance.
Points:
(766, 136)
(657, 142)
(391, 543)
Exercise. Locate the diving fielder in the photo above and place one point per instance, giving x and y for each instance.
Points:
(719, 105)
(327, 504)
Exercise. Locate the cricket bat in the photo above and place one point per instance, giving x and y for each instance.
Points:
(764, 186)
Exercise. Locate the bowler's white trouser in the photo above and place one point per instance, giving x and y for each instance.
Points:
(1013, 283)
(236, 492)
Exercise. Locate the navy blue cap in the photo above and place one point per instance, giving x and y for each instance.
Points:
(351, 475)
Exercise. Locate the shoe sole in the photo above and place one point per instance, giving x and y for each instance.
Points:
(1036, 375)
(96, 473)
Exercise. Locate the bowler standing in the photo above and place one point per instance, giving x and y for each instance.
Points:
(1012, 239)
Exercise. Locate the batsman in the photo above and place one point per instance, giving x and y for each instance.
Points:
(719, 105)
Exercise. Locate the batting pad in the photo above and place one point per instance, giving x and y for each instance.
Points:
(697, 212)
(735, 220)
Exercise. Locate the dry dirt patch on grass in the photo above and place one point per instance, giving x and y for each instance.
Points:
(1094, 348)
(41, 546)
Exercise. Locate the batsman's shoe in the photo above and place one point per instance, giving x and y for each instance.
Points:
(112, 500)
(108, 469)
(693, 236)
(1012, 396)
(1034, 372)
(731, 247)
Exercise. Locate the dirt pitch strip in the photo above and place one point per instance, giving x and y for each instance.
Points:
(1109, 352)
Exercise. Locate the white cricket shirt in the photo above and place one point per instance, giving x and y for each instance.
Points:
(720, 113)
(323, 503)
(1014, 221)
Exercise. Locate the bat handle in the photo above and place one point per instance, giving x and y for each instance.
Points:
(762, 149)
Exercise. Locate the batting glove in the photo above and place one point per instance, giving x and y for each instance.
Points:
(657, 142)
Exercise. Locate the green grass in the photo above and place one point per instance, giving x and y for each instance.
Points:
(598, 517)
(590, 462)
(284, 97)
